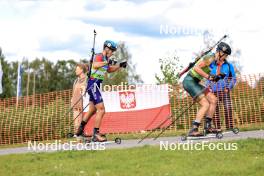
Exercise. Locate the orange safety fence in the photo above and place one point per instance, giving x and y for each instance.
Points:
(36, 118)
(246, 104)
(47, 116)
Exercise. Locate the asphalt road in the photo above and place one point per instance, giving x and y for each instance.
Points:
(31, 148)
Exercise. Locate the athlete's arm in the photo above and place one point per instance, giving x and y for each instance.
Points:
(198, 69)
(97, 65)
(99, 61)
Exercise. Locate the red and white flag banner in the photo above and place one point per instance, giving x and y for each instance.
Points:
(134, 110)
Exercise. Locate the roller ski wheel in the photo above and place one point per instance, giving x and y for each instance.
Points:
(87, 139)
(118, 140)
(70, 135)
(183, 138)
(219, 135)
(235, 130)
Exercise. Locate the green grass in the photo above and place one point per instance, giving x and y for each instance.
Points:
(147, 160)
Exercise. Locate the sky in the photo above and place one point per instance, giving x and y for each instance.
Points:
(151, 29)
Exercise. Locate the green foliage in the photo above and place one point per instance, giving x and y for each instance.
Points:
(8, 74)
(39, 76)
(169, 67)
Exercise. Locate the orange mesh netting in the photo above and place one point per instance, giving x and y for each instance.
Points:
(44, 116)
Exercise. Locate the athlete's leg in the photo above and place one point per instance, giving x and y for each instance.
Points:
(211, 110)
(90, 113)
(204, 103)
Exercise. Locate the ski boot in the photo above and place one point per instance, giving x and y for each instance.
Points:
(208, 129)
(80, 129)
(99, 138)
(194, 132)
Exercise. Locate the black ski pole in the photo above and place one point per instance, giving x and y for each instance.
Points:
(79, 114)
(88, 74)
(158, 127)
(164, 129)
(153, 130)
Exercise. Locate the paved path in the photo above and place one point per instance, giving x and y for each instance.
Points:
(134, 143)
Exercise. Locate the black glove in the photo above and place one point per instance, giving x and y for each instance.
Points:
(112, 62)
(222, 75)
(123, 64)
(214, 78)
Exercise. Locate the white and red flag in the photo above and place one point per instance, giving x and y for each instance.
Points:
(143, 108)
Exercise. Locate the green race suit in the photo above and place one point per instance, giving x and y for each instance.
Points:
(191, 81)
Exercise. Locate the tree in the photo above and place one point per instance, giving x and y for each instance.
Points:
(169, 67)
(127, 75)
(39, 76)
(65, 74)
(50, 76)
(8, 86)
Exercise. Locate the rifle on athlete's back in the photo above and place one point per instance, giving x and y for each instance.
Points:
(199, 57)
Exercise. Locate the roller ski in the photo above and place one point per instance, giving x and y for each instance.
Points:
(80, 138)
(94, 140)
(101, 138)
(231, 131)
(207, 133)
(209, 129)
(98, 138)
(204, 135)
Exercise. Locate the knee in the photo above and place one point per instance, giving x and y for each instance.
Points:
(101, 110)
(205, 104)
(90, 113)
(213, 100)
(92, 109)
